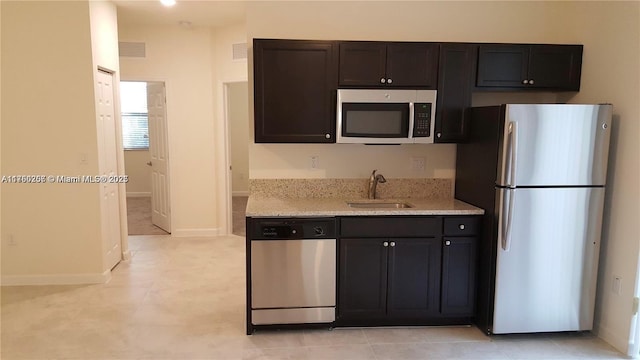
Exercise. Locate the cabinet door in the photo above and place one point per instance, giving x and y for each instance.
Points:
(454, 91)
(555, 66)
(502, 65)
(412, 65)
(414, 277)
(362, 289)
(294, 91)
(362, 64)
(458, 276)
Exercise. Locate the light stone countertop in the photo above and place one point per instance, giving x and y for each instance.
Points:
(259, 206)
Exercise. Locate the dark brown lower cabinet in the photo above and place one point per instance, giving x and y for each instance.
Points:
(414, 278)
(362, 289)
(418, 270)
(458, 276)
(388, 278)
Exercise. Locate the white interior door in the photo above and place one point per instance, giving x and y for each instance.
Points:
(160, 204)
(108, 166)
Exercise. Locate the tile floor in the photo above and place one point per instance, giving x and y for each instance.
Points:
(180, 298)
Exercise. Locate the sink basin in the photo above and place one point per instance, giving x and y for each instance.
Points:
(379, 205)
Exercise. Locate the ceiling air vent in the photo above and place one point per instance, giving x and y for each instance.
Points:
(132, 49)
(239, 51)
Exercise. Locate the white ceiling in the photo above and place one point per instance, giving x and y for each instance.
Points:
(199, 13)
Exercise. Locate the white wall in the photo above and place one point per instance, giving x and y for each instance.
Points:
(238, 118)
(194, 63)
(49, 125)
(182, 58)
(135, 166)
(104, 46)
(226, 70)
(610, 33)
(420, 21)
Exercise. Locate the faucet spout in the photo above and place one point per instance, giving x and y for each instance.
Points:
(373, 183)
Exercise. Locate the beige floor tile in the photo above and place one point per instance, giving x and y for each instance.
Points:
(442, 350)
(353, 352)
(184, 299)
(586, 347)
(333, 337)
(395, 335)
(278, 339)
(453, 333)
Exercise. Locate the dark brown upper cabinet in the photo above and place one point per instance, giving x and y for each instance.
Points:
(542, 67)
(380, 64)
(455, 81)
(295, 83)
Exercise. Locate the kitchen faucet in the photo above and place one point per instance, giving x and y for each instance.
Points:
(373, 183)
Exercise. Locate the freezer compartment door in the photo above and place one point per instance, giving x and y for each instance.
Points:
(546, 268)
(555, 145)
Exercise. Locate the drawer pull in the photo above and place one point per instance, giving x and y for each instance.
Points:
(461, 226)
(447, 243)
(385, 244)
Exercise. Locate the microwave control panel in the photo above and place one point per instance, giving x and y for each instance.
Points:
(422, 120)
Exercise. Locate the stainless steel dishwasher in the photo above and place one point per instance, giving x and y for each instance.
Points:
(293, 271)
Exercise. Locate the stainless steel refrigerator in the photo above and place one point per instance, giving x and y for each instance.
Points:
(539, 171)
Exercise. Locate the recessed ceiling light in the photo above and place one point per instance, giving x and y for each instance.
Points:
(168, 2)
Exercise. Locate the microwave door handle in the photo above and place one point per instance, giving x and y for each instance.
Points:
(411, 115)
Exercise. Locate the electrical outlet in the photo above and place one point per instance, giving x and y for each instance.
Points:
(617, 285)
(417, 164)
(315, 161)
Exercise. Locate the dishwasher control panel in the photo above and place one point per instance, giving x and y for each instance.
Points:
(294, 228)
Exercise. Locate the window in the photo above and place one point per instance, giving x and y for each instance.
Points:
(135, 116)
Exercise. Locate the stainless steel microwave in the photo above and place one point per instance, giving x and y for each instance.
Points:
(368, 116)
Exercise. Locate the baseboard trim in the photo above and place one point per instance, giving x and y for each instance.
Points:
(240, 193)
(612, 338)
(139, 194)
(58, 279)
(195, 232)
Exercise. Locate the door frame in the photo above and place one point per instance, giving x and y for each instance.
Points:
(228, 191)
(169, 141)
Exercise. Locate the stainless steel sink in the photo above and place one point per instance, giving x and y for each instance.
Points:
(379, 205)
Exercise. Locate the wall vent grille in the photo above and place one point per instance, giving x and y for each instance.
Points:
(132, 49)
(239, 51)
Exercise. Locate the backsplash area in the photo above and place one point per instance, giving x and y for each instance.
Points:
(424, 188)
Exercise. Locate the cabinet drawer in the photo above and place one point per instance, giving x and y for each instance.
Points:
(390, 226)
(463, 226)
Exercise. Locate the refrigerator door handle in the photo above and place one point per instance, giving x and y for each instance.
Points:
(512, 146)
(507, 218)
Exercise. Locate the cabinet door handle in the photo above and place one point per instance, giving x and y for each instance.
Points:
(327, 136)
(447, 243)
(383, 80)
(393, 243)
(439, 135)
(389, 81)
(525, 82)
(530, 82)
(461, 226)
(385, 244)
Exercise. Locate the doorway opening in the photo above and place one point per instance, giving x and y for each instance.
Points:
(237, 119)
(144, 139)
